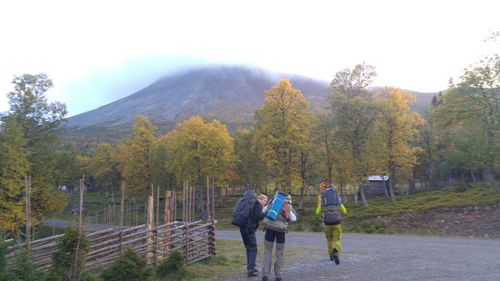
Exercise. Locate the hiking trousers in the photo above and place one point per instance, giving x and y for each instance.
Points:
(269, 239)
(333, 236)
(250, 242)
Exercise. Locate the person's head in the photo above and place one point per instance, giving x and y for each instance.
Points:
(323, 185)
(262, 199)
(288, 199)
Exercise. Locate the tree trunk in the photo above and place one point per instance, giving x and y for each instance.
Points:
(392, 183)
(363, 196)
(489, 178)
(301, 200)
(473, 176)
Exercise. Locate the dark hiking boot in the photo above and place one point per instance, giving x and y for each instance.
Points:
(264, 278)
(331, 256)
(335, 256)
(253, 273)
(278, 279)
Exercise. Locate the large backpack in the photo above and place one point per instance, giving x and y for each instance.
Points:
(243, 208)
(331, 206)
(277, 213)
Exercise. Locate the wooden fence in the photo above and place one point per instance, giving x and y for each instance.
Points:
(194, 239)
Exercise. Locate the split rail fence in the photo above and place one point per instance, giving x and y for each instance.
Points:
(194, 239)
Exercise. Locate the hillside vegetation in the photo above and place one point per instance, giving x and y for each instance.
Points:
(471, 211)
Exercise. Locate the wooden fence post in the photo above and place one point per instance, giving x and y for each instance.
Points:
(168, 196)
(149, 229)
(27, 190)
(122, 208)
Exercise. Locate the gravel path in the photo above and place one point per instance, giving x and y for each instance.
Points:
(389, 257)
(64, 223)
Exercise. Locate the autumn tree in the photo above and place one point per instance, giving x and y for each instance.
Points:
(353, 116)
(279, 130)
(104, 167)
(37, 119)
(249, 166)
(14, 166)
(331, 155)
(398, 129)
(197, 149)
(162, 177)
(138, 172)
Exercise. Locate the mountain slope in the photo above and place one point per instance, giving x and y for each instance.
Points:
(228, 93)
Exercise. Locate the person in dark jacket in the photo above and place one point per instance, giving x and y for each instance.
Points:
(248, 234)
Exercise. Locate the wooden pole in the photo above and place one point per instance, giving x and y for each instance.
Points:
(28, 212)
(213, 198)
(208, 198)
(82, 184)
(175, 205)
(122, 207)
(168, 196)
(157, 206)
(193, 204)
(183, 201)
(149, 228)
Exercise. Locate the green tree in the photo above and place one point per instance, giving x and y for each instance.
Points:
(14, 166)
(69, 257)
(280, 137)
(470, 113)
(353, 116)
(67, 170)
(37, 120)
(398, 129)
(138, 171)
(249, 166)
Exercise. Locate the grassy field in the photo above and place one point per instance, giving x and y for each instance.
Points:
(231, 261)
(360, 218)
(478, 195)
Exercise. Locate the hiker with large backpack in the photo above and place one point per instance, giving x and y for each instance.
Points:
(331, 209)
(277, 214)
(246, 215)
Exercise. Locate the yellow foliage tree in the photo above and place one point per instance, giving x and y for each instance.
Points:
(280, 131)
(14, 166)
(397, 129)
(137, 170)
(197, 149)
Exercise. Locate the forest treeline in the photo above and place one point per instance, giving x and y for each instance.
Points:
(289, 147)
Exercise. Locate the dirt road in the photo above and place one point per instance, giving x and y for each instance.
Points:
(389, 257)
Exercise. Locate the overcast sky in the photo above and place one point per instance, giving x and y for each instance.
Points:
(98, 51)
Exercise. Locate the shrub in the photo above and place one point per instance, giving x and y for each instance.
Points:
(370, 227)
(172, 267)
(5, 275)
(3, 252)
(461, 188)
(66, 262)
(317, 224)
(129, 267)
(26, 269)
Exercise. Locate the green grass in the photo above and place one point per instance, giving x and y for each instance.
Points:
(231, 261)
(363, 219)
(451, 197)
